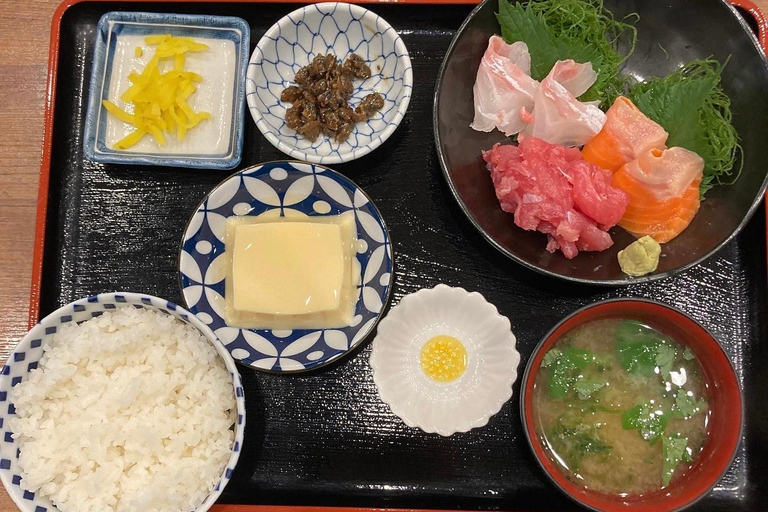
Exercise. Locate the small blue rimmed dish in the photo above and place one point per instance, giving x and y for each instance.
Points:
(121, 49)
(279, 189)
(27, 354)
(320, 29)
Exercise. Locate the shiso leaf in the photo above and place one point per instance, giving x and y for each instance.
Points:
(691, 105)
(582, 30)
(519, 23)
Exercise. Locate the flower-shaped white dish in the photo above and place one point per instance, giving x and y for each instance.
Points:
(319, 29)
(491, 360)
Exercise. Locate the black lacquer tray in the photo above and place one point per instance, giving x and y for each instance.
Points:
(324, 438)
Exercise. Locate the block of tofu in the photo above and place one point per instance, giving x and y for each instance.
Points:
(268, 318)
(287, 268)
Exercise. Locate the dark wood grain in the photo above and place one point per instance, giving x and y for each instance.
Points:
(24, 34)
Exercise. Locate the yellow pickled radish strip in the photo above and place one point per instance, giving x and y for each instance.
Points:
(181, 121)
(196, 120)
(155, 132)
(131, 139)
(155, 40)
(120, 113)
(170, 125)
(190, 43)
(159, 100)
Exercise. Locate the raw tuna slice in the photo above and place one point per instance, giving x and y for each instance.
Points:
(503, 87)
(551, 189)
(558, 117)
(594, 195)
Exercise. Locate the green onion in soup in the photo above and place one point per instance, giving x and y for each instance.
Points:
(620, 407)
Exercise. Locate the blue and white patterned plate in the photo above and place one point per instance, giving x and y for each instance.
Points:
(318, 29)
(214, 143)
(30, 349)
(311, 190)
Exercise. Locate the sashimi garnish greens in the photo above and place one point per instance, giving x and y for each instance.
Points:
(582, 30)
(691, 105)
(620, 406)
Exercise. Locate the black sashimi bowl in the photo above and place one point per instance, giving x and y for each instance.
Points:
(668, 35)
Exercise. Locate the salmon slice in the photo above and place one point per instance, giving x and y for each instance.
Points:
(663, 191)
(627, 134)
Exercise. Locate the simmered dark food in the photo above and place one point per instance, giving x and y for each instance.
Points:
(620, 407)
(320, 101)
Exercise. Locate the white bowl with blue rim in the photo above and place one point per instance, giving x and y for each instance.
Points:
(318, 29)
(30, 349)
(308, 189)
(214, 143)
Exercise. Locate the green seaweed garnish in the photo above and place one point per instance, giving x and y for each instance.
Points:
(585, 387)
(691, 105)
(648, 419)
(665, 359)
(573, 439)
(674, 449)
(564, 368)
(637, 347)
(582, 30)
(686, 406)
(551, 357)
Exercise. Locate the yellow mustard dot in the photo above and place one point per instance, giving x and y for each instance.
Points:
(443, 358)
(138, 51)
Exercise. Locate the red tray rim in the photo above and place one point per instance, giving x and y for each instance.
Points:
(45, 170)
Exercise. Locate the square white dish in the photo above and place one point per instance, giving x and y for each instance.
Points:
(214, 143)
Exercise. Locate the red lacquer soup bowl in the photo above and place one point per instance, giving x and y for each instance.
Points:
(724, 399)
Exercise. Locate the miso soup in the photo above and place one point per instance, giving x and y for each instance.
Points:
(620, 407)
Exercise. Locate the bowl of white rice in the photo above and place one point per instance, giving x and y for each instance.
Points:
(119, 402)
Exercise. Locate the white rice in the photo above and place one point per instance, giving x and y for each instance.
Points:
(129, 411)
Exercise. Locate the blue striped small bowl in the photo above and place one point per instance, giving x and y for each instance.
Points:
(319, 29)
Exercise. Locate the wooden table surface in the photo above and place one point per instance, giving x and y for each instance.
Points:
(24, 33)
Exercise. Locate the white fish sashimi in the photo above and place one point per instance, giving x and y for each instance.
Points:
(503, 87)
(576, 78)
(558, 117)
(666, 173)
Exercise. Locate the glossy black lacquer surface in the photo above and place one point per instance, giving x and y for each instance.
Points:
(669, 33)
(324, 438)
